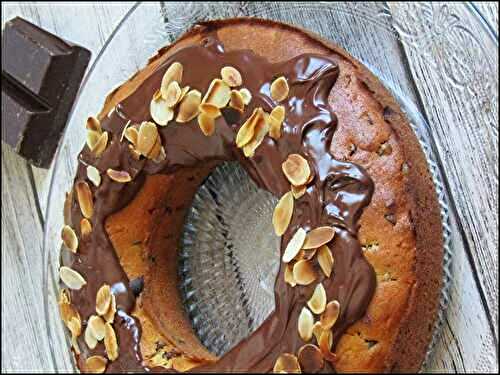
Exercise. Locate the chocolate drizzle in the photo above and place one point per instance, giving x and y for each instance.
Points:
(336, 196)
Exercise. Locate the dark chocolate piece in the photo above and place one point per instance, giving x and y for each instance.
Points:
(41, 75)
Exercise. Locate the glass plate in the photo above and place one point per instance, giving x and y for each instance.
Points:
(380, 35)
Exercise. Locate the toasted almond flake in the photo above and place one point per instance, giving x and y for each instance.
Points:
(96, 326)
(305, 324)
(93, 124)
(67, 312)
(317, 331)
(173, 73)
(89, 338)
(310, 359)
(85, 200)
(103, 299)
(247, 130)
(110, 342)
(279, 89)
(71, 278)
(74, 345)
(231, 76)
(109, 316)
(118, 176)
(148, 134)
(246, 95)
(276, 118)
(325, 260)
(93, 175)
(283, 214)
(261, 129)
(95, 364)
(92, 139)
(296, 169)
(307, 254)
(293, 247)
(298, 191)
(69, 238)
(289, 275)
(218, 93)
(64, 296)
(317, 302)
(135, 154)
(210, 110)
(318, 237)
(303, 272)
(124, 130)
(155, 151)
(330, 315)
(184, 91)
(206, 123)
(75, 326)
(189, 107)
(161, 156)
(132, 135)
(160, 112)
(172, 94)
(236, 101)
(287, 363)
(325, 345)
(100, 145)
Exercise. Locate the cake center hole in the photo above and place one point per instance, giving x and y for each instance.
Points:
(229, 258)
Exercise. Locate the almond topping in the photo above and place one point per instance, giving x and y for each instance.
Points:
(210, 110)
(184, 91)
(218, 93)
(103, 299)
(67, 312)
(132, 135)
(247, 130)
(85, 200)
(160, 112)
(306, 322)
(75, 326)
(279, 89)
(319, 237)
(96, 326)
(94, 124)
(236, 101)
(325, 260)
(207, 124)
(95, 364)
(298, 191)
(161, 156)
(331, 314)
(293, 247)
(246, 95)
(189, 107)
(296, 169)
(173, 73)
(307, 254)
(74, 345)
(310, 359)
(148, 133)
(69, 238)
(109, 316)
(100, 145)
(172, 94)
(317, 303)
(317, 331)
(231, 76)
(71, 278)
(276, 118)
(325, 345)
(89, 338)
(110, 342)
(283, 214)
(287, 363)
(155, 151)
(303, 272)
(261, 129)
(289, 275)
(93, 175)
(118, 176)
(92, 139)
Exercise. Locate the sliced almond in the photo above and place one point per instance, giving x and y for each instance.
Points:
(303, 272)
(325, 344)
(160, 112)
(172, 94)
(293, 247)
(173, 73)
(247, 130)
(317, 331)
(261, 129)
(96, 326)
(184, 91)
(305, 324)
(93, 175)
(132, 135)
(317, 302)
(287, 363)
(110, 342)
(289, 275)
(189, 107)
(100, 145)
(124, 130)
(298, 191)
(109, 316)
(89, 338)
(95, 364)
(283, 214)
(325, 260)
(236, 101)
(330, 315)
(69, 238)
(318, 237)
(307, 254)
(118, 176)
(279, 89)
(71, 278)
(148, 134)
(103, 299)
(85, 227)
(276, 118)
(75, 326)
(92, 139)
(246, 95)
(296, 169)
(210, 110)
(310, 359)
(231, 76)
(155, 151)
(85, 200)
(218, 93)
(64, 296)
(94, 124)
(161, 156)
(206, 123)
(68, 312)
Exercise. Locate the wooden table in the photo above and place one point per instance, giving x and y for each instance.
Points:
(469, 340)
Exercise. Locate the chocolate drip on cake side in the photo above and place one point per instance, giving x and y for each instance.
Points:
(336, 196)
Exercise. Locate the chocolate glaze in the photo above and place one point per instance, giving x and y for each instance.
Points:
(336, 196)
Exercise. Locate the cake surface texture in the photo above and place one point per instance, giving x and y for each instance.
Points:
(361, 241)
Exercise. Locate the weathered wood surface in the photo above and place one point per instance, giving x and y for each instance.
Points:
(469, 340)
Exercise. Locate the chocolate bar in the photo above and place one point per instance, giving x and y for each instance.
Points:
(41, 75)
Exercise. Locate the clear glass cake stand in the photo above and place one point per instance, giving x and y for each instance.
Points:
(383, 36)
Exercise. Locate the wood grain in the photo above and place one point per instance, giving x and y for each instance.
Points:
(469, 155)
